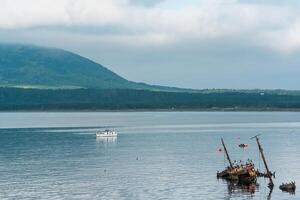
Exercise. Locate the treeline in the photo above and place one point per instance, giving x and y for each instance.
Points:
(81, 99)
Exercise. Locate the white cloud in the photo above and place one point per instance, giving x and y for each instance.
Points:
(270, 25)
(31, 13)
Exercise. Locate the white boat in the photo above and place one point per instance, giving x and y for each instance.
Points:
(106, 133)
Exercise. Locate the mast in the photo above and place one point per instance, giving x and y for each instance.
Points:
(227, 155)
(271, 184)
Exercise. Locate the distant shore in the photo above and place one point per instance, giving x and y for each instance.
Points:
(160, 110)
(117, 100)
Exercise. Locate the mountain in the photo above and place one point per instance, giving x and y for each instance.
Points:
(26, 66)
(38, 78)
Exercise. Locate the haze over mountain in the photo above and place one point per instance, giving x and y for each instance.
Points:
(188, 44)
(27, 66)
(32, 66)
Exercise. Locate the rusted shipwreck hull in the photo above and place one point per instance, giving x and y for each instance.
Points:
(241, 173)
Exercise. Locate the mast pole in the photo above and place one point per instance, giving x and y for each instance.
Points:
(271, 184)
(227, 155)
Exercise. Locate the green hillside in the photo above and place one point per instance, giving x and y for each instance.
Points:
(24, 66)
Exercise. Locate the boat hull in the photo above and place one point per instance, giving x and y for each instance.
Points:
(103, 135)
(242, 176)
(106, 134)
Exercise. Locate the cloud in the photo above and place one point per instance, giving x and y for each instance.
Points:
(146, 2)
(31, 13)
(191, 43)
(160, 22)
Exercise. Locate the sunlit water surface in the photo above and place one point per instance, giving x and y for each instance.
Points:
(157, 155)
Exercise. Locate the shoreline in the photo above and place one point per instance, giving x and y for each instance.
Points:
(157, 110)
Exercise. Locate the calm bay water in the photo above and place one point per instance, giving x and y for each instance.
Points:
(157, 155)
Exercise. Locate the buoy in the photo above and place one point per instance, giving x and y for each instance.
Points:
(243, 145)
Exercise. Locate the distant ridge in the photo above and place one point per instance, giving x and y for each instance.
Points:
(28, 66)
(38, 78)
(35, 67)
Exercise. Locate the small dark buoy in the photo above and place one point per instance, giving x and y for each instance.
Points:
(137, 158)
(288, 187)
(104, 170)
(243, 145)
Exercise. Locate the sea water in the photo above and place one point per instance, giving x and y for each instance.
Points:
(157, 155)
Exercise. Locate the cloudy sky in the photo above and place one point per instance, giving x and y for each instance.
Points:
(190, 43)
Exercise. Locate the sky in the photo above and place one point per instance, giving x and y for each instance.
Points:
(237, 44)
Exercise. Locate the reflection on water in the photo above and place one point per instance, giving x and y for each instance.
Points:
(235, 187)
(106, 140)
(290, 192)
